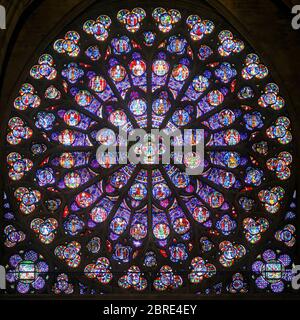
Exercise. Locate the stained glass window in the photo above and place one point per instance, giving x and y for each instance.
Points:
(74, 225)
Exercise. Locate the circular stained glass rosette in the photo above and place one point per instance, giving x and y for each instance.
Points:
(143, 69)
